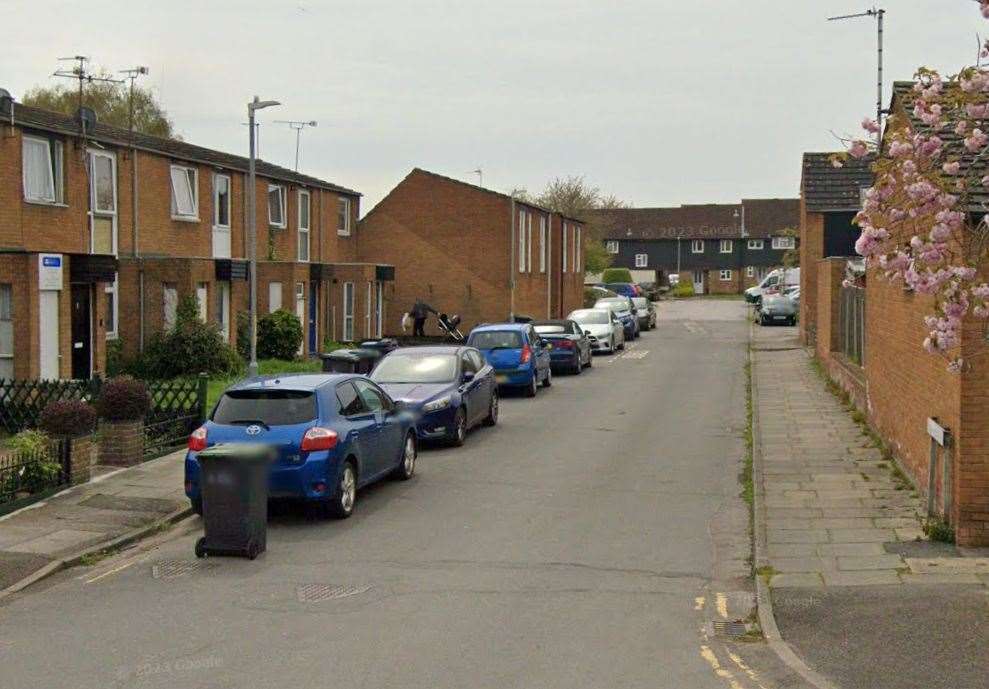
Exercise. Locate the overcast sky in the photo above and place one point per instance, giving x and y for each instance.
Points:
(659, 102)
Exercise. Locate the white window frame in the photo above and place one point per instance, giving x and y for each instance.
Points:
(275, 296)
(563, 243)
(113, 292)
(750, 272)
(725, 275)
(697, 246)
(726, 246)
(542, 243)
(348, 312)
(345, 203)
(784, 243)
(367, 310)
(190, 177)
(216, 200)
(223, 310)
(107, 214)
(576, 249)
(642, 260)
(756, 244)
(379, 308)
(202, 300)
(55, 169)
(7, 321)
(169, 311)
(303, 230)
(521, 237)
(528, 242)
(281, 224)
(611, 246)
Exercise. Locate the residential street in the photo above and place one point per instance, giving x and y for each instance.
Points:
(587, 542)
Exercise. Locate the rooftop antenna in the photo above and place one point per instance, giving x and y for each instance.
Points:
(878, 14)
(80, 74)
(480, 175)
(298, 126)
(132, 74)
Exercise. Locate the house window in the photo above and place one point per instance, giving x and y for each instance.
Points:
(111, 311)
(784, 242)
(103, 201)
(170, 304)
(6, 332)
(542, 243)
(348, 312)
(642, 260)
(185, 200)
(343, 216)
(521, 229)
(612, 247)
(725, 246)
(750, 272)
(576, 249)
(564, 244)
(303, 253)
(725, 275)
(276, 205)
(202, 294)
(223, 309)
(761, 273)
(697, 246)
(755, 244)
(42, 170)
(221, 201)
(274, 296)
(528, 242)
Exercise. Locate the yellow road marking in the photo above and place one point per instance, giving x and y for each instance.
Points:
(722, 605)
(111, 571)
(745, 668)
(712, 660)
(699, 603)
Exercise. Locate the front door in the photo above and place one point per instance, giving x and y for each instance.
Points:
(313, 311)
(698, 282)
(82, 329)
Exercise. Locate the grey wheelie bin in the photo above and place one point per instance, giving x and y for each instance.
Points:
(234, 484)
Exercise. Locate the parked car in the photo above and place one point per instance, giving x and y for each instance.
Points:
(594, 292)
(334, 434)
(605, 332)
(626, 289)
(673, 279)
(773, 283)
(623, 308)
(448, 389)
(645, 311)
(520, 357)
(776, 308)
(793, 294)
(571, 345)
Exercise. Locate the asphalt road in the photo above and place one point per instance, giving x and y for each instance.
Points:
(581, 543)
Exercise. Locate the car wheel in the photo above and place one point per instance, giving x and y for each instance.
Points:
(530, 389)
(548, 380)
(578, 366)
(410, 452)
(590, 359)
(492, 418)
(342, 503)
(459, 434)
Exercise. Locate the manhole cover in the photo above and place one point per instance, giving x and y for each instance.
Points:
(736, 628)
(171, 569)
(315, 593)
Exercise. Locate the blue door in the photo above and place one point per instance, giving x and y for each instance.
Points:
(313, 310)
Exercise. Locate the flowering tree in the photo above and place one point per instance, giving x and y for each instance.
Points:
(924, 220)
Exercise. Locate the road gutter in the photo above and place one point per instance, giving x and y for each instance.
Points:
(764, 599)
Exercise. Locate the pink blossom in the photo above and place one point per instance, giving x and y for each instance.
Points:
(976, 141)
(858, 150)
(952, 168)
(870, 125)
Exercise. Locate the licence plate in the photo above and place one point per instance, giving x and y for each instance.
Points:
(501, 379)
(780, 318)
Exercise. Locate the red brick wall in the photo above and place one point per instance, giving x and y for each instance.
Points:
(971, 476)
(811, 251)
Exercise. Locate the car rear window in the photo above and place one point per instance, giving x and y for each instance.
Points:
(550, 329)
(268, 407)
(496, 339)
(416, 368)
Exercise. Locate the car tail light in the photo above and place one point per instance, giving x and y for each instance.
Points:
(565, 344)
(197, 439)
(319, 439)
(526, 354)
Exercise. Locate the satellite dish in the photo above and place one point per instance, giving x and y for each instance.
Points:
(86, 117)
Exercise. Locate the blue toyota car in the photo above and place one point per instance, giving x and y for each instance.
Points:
(334, 433)
(449, 389)
(519, 355)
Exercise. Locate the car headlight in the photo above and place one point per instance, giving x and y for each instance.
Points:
(436, 405)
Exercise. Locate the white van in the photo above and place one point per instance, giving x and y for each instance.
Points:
(771, 283)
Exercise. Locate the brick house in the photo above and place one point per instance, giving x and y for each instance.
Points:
(473, 252)
(127, 254)
(719, 248)
(830, 197)
(899, 386)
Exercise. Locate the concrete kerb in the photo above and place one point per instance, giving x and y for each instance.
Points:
(764, 598)
(120, 541)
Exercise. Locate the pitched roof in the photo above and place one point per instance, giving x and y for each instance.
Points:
(763, 218)
(829, 188)
(36, 118)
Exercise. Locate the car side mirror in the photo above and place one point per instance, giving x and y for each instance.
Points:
(468, 376)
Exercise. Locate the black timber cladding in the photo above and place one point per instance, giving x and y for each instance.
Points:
(828, 188)
(231, 269)
(92, 268)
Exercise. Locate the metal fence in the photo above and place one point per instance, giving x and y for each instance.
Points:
(851, 324)
(29, 475)
(22, 401)
(178, 407)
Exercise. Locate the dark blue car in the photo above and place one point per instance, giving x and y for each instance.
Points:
(520, 357)
(449, 389)
(334, 433)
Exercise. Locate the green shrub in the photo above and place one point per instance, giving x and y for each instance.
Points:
(279, 335)
(68, 419)
(683, 289)
(244, 335)
(40, 470)
(617, 275)
(123, 399)
(115, 363)
(189, 348)
(332, 345)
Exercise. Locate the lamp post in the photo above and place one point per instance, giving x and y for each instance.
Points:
(252, 234)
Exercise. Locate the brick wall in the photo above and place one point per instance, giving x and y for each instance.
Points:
(811, 251)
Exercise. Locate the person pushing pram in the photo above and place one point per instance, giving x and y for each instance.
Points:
(418, 314)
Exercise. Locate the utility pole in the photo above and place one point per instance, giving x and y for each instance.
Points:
(298, 126)
(132, 74)
(878, 14)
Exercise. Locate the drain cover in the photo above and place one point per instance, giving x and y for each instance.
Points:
(315, 593)
(172, 569)
(736, 628)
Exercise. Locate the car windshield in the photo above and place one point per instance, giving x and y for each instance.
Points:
(265, 407)
(550, 329)
(416, 368)
(496, 339)
(590, 317)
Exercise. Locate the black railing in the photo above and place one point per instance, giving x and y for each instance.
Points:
(22, 401)
(29, 475)
(178, 407)
(851, 324)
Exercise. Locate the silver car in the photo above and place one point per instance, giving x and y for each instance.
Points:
(603, 328)
(776, 308)
(645, 311)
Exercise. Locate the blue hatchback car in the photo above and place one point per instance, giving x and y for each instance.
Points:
(449, 389)
(334, 433)
(520, 357)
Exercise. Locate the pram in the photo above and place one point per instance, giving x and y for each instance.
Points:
(448, 324)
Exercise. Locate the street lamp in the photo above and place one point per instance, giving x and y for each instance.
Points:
(252, 234)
